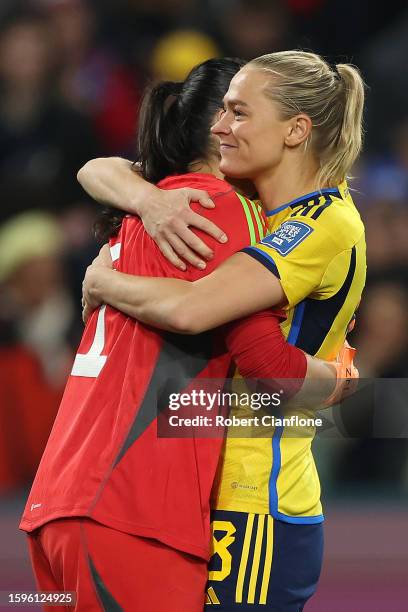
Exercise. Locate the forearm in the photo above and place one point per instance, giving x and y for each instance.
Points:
(188, 307)
(114, 181)
(319, 384)
(320, 370)
(282, 365)
(154, 301)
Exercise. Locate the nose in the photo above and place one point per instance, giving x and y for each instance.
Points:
(222, 125)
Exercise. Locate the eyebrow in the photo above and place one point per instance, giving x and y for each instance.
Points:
(233, 101)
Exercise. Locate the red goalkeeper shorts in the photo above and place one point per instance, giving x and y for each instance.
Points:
(111, 570)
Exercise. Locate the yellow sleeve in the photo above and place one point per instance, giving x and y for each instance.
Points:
(298, 253)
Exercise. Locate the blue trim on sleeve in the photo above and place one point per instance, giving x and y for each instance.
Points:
(263, 258)
(296, 323)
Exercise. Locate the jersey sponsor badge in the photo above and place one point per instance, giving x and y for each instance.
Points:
(288, 236)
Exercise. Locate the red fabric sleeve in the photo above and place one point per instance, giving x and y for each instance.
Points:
(229, 215)
(260, 350)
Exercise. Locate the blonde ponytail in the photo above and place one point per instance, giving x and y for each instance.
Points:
(340, 154)
(303, 82)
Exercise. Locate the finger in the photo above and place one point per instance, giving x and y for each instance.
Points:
(86, 297)
(183, 251)
(106, 256)
(168, 252)
(197, 247)
(198, 195)
(85, 313)
(207, 226)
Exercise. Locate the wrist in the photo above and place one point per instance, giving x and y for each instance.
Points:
(98, 282)
(141, 202)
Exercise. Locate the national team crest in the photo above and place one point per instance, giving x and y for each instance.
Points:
(288, 236)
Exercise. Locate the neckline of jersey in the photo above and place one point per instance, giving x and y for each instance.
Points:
(194, 174)
(307, 197)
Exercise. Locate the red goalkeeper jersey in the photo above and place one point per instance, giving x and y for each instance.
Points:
(104, 459)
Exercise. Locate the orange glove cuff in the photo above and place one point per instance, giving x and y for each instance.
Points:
(347, 375)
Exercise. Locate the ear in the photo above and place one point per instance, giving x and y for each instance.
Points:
(299, 129)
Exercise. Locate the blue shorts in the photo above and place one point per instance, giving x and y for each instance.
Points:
(259, 563)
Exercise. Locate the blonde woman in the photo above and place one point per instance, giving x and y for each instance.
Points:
(293, 126)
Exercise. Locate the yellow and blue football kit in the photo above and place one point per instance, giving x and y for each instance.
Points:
(261, 563)
(316, 247)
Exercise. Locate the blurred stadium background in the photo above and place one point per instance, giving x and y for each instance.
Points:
(71, 76)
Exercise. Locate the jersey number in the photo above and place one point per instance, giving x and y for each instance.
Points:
(91, 363)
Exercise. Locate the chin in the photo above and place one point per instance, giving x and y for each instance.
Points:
(232, 170)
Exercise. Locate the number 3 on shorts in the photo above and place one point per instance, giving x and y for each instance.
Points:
(220, 548)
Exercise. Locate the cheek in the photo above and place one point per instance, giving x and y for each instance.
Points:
(269, 147)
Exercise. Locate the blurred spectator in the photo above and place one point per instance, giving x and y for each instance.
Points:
(249, 28)
(382, 331)
(92, 79)
(77, 225)
(386, 222)
(382, 342)
(382, 60)
(178, 52)
(170, 10)
(33, 296)
(28, 405)
(43, 140)
(35, 357)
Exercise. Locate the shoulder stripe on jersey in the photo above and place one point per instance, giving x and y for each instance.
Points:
(316, 195)
(319, 315)
(306, 199)
(263, 258)
(251, 226)
(261, 213)
(308, 208)
(305, 209)
(257, 219)
(321, 209)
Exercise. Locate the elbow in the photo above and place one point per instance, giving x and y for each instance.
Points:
(97, 167)
(183, 320)
(83, 173)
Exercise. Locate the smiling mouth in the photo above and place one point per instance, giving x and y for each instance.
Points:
(227, 146)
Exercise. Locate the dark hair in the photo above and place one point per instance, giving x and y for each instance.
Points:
(174, 125)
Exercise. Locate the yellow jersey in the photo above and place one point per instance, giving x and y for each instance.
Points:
(316, 247)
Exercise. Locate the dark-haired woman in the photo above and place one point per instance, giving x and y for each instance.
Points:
(116, 513)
